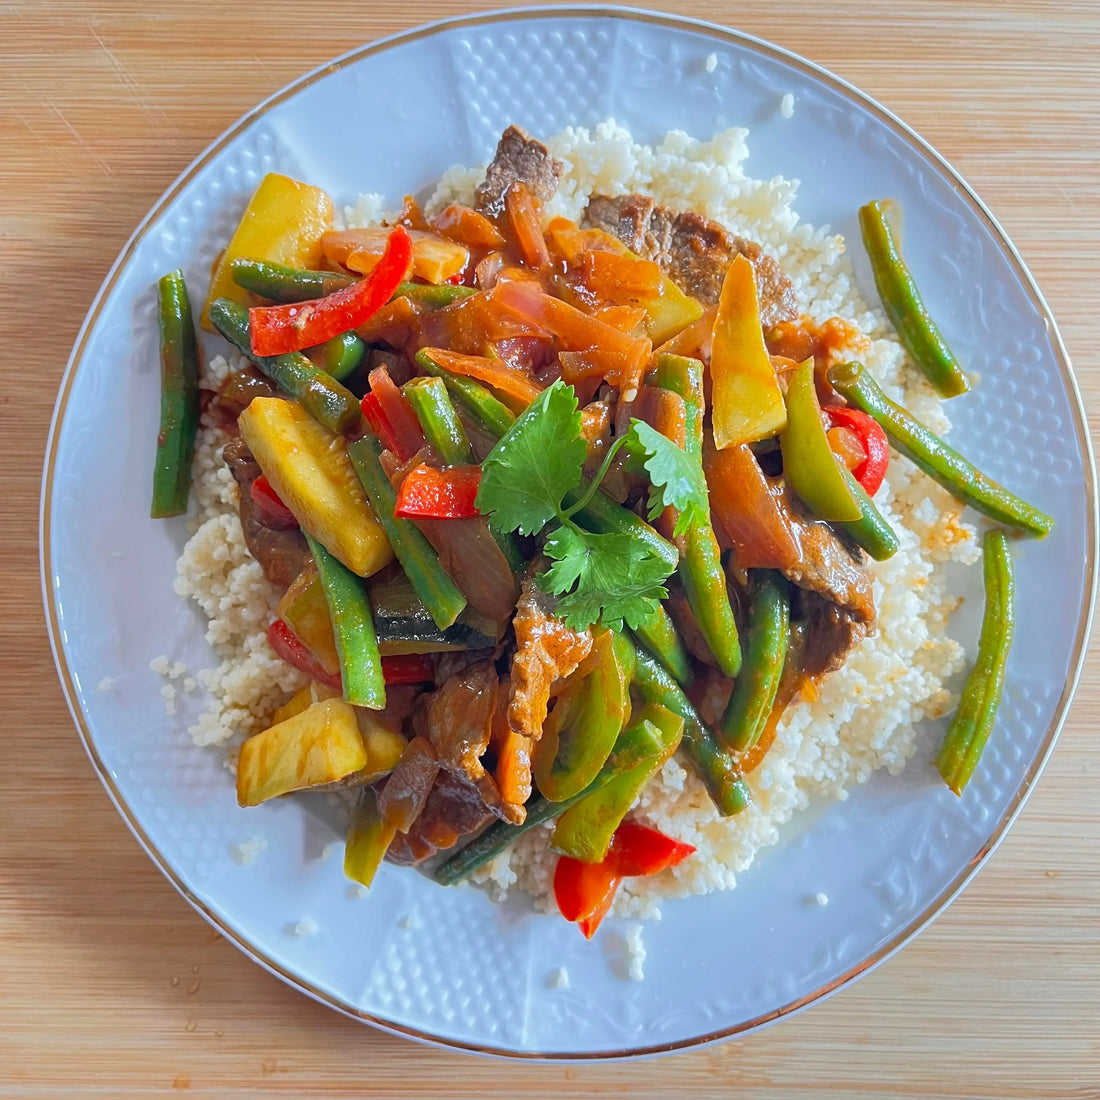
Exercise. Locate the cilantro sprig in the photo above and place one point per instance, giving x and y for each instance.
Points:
(539, 462)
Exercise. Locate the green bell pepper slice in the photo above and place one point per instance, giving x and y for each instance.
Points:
(585, 830)
(808, 460)
(581, 730)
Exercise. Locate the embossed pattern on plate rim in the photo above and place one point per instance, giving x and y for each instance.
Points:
(921, 148)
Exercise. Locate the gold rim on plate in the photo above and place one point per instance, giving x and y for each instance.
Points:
(723, 34)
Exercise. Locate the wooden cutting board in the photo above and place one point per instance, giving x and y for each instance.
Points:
(110, 985)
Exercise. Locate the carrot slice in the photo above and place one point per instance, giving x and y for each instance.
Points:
(493, 372)
(525, 218)
(466, 226)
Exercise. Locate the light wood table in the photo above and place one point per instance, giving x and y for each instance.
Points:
(110, 985)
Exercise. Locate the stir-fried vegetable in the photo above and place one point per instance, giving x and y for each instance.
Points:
(440, 594)
(441, 426)
(658, 635)
(585, 891)
(918, 333)
(808, 461)
(304, 609)
(309, 469)
(875, 447)
(405, 625)
(317, 391)
(748, 509)
(428, 493)
(369, 835)
(282, 224)
(353, 629)
(747, 402)
(714, 764)
(427, 256)
(973, 721)
(286, 644)
(700, 567)
(434, 297)
(585, 830)
(278, 330)
(939, 461)
(320, 745)
(179, 398)
(341, 356)
(493, 415)
(281, 283)
(768, 629)
(539, 473)
(581, 730)
(871, 530)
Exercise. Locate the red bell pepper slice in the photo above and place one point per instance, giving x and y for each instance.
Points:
(276, 330)
(640, 850)
(275, 513)
(294, 651)
(428, 493)
(408, 668)
(379, 424)
(584, 891)
(870, 472)
(391, 416)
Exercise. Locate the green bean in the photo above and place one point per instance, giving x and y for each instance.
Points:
(279, 283)
(658, 635)
(700, 567)
(444, 431)
(942, 463)
(179, 398)
(353, 629)
(493, 415)
(636, 744)
(871, 530)
(431, 581)
(432, 295)
(319, 394)
(973, 721)
(768, 629)
(711, 760)
(341, 356)
(904, 306)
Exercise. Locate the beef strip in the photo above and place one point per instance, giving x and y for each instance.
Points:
(833, 594)
(831, 564)
(236, 393)
(405, 791)
(457, 718)
(831, 631)
(692, 250)
(454, 809)
(518, 159)
(281, 554)
(546, 651)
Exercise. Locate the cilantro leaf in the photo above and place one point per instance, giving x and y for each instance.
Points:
(616, 576)
(677, 477)
(538, 460)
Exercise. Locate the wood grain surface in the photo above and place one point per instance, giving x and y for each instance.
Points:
(110, 985)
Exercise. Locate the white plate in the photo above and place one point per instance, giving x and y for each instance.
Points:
(462, 971)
